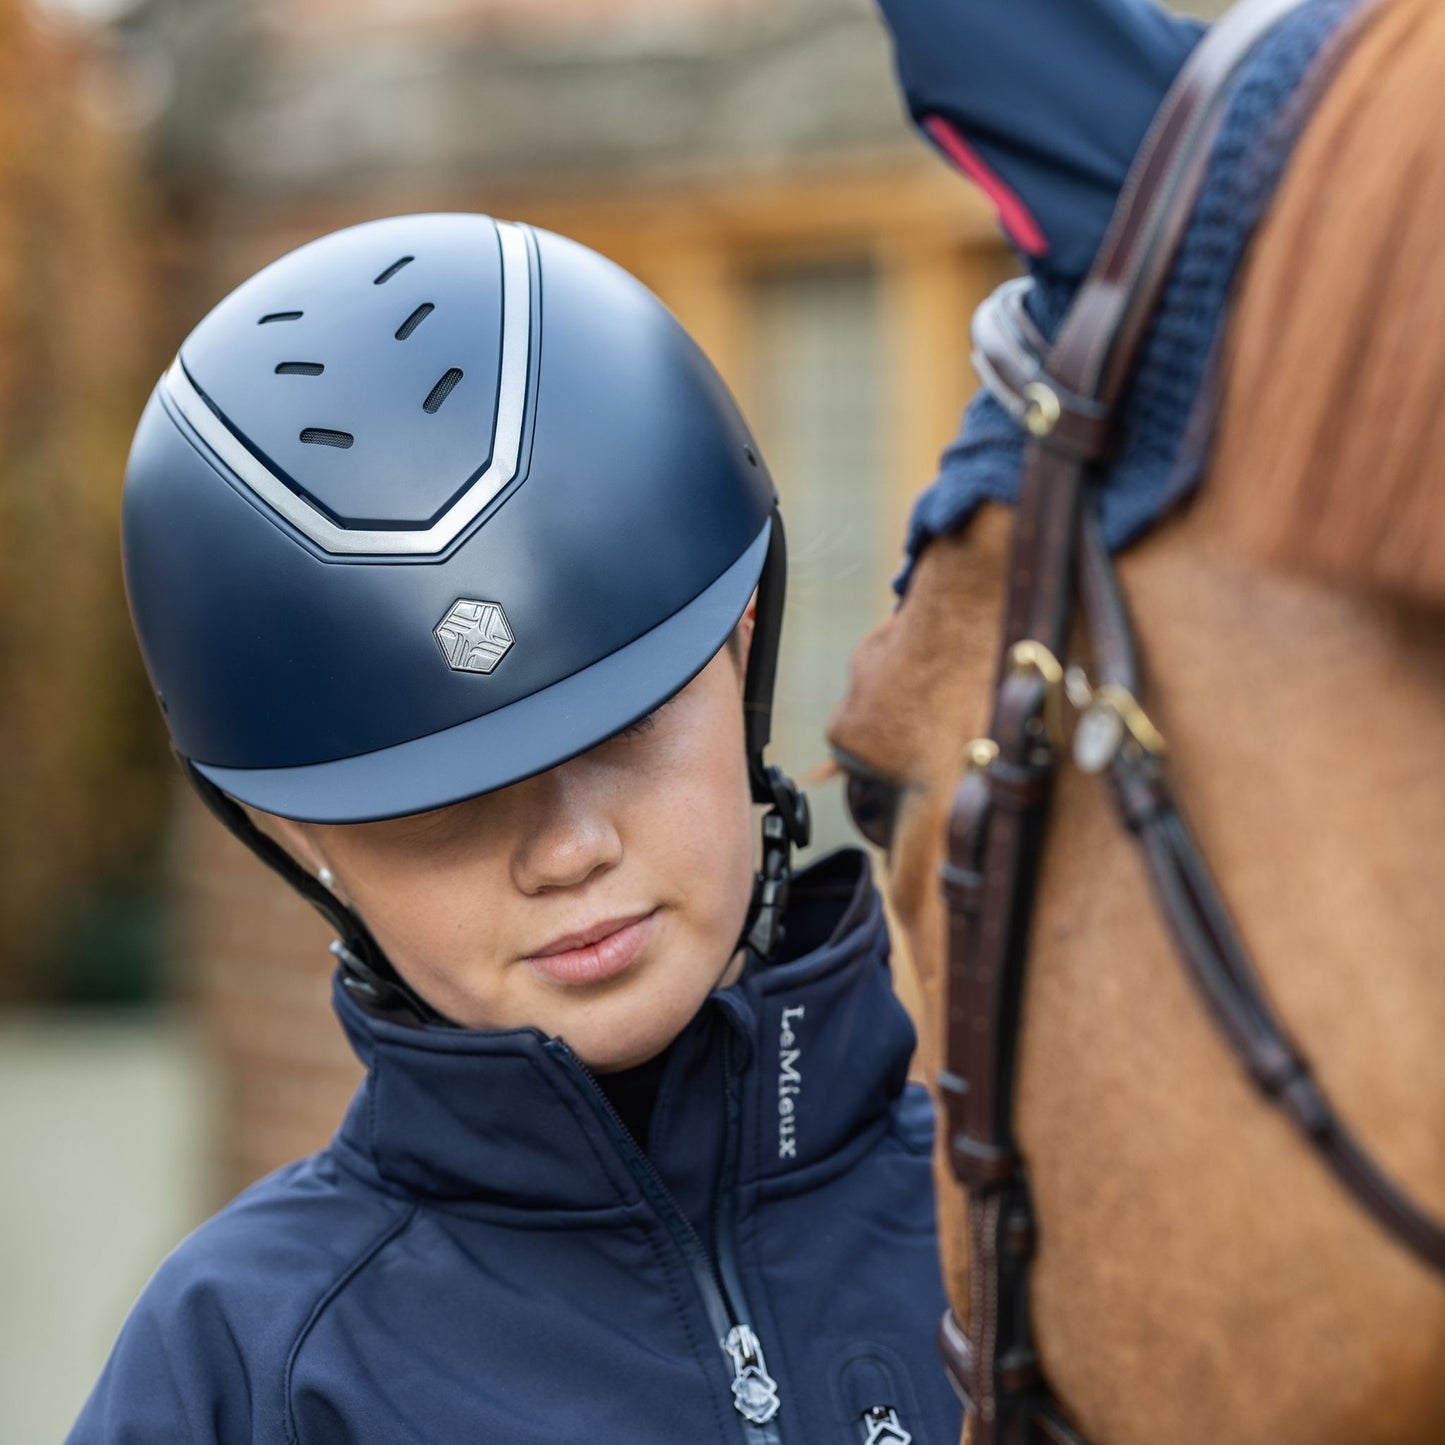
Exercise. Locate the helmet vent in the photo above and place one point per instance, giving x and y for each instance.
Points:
(299, 368)
(279, 316)
(393, 269)
(320, 436)
(441, 390)
(414, 320)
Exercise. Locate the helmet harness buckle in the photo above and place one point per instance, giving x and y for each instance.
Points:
(787, 824)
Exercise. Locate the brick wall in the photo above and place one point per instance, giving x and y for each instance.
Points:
(253, 956)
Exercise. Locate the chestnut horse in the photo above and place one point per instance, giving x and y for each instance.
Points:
(1200, 1277)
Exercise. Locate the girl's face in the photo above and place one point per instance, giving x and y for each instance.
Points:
(600, 901)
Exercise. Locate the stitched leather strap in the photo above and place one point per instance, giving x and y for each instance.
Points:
(1208, 942)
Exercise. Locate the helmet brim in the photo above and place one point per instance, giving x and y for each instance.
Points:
(528, 736)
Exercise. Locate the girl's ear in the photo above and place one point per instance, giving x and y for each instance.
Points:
(741, 642)
(1042, 103)
(296, 837)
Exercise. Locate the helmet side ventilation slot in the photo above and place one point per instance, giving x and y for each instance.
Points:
(443, 389)
(414, 320)
(322, 436)
(392, 270)
(299, 368)
(271, 316)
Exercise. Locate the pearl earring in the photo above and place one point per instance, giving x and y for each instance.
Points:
(327, 877)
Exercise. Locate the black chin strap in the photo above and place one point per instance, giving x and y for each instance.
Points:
(366, 972)
(787, 823)
(763, 658)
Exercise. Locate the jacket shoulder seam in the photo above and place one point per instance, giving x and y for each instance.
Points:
(392, 1230)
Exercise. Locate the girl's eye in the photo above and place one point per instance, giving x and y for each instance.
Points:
(642, 725)
(872, 802)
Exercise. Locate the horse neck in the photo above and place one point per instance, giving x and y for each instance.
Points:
(1182, 1219)
(1308, 731)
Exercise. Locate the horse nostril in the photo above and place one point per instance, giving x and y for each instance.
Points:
(872, 804)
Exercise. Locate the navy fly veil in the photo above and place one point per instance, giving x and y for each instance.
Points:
(1167, 414)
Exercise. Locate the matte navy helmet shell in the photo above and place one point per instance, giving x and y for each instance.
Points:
(427, 506)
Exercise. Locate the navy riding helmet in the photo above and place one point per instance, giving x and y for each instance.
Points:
(428, 506)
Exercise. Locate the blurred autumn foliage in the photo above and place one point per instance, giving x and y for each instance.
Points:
(81, 754)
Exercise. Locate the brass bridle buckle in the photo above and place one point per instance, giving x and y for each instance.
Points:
(1041, 408)
(1033, 657)
(979, 754)
(1110, 720)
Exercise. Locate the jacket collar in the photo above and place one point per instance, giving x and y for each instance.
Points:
(508, 1119)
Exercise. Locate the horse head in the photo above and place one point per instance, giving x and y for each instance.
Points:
(1199, 1275)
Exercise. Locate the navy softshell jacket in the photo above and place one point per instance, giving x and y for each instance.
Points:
(484, 1254)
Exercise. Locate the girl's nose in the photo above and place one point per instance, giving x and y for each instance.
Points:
(568, 830)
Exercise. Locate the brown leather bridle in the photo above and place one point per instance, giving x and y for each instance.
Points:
(1065, 395)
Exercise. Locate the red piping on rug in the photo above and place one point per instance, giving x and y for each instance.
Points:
(1023, 230)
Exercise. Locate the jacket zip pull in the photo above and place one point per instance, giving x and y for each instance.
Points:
(881, 1427)
(755, 1392)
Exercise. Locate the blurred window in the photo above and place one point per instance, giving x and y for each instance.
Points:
(816, 391)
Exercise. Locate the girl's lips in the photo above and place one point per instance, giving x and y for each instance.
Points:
(595, 961)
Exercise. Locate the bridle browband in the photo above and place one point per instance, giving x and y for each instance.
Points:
(1065, 396)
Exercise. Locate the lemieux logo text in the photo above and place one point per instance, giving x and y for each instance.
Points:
(790, 1083)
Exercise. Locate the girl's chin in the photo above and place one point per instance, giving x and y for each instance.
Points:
(607, 1035)
(620, 1064)
(612, 1055)
(610, 1040)
(616, 1025)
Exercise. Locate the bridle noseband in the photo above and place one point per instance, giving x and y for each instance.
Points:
(1066, 396)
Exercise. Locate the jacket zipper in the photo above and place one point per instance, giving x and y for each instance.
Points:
(755, 1392)
(881, 1426)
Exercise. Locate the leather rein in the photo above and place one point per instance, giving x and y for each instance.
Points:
(1065, 396)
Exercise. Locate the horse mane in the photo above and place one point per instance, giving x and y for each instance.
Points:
(1331, 433)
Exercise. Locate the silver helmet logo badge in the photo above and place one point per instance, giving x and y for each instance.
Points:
(474, 636)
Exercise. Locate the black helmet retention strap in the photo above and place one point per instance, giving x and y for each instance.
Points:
(366, 973)
(763, 658)
(786, 824)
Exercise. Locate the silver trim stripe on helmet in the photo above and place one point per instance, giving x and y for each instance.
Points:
(416, 542)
